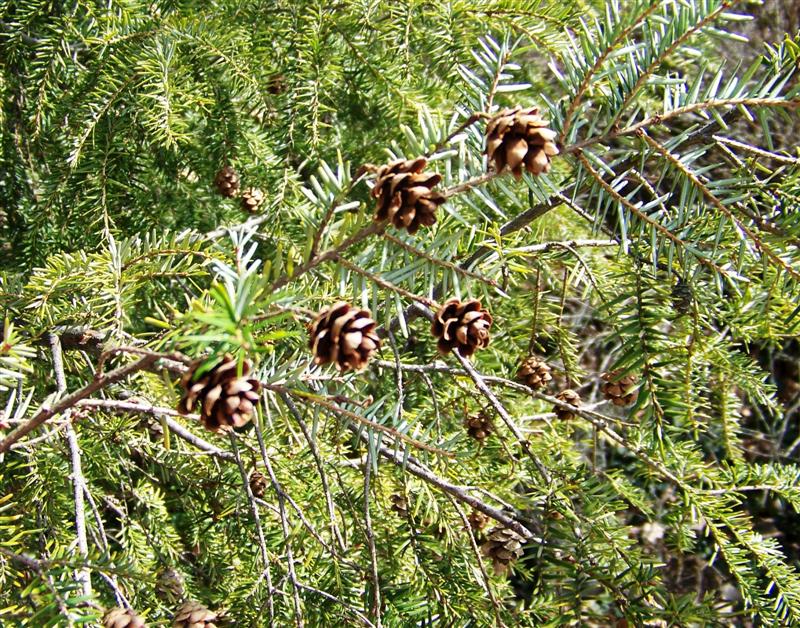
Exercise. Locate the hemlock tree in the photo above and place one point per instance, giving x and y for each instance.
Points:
(473, 313)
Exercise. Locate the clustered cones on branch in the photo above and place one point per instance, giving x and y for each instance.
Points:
(479, 426)
(519, 138)
(122, 618)
(621, 391)
(226, 400)
(567, 396)
(343, 335)
(227, 181)
(503, 546)
(193, 614)
(405, 194)
(463, 326)
(258, 483)
(535, 373)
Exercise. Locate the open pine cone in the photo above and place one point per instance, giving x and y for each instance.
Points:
(477, 520)
(258, 483)
(399, 504)
(344, 335)
(463, 326)
(479, 426)
(621, 391)
(227, 181)
(170, 585)
(405, 194)
(567, 396)
(122, 618)
(503, 546)
(225, 400)
(193, 614)
(519, 138)
(535, 373)
(252, 199)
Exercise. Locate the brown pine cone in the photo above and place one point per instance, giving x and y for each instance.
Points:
(479, 426)
(122, 618)
(503, 546)
(276, 84)
(225, 400)
(193, 614)
(535, 373)
(258, 483)
(405, 194)
(477, 520)
(463, 326)
(344, 335)
(567, 396)
(519, 138)
(169, 585)
(621, 391)
(399, 504)
(227, 181)
(252, 199)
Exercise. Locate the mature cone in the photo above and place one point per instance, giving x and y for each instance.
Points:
(344, 335)
(567, 396)
(479, 426)
(258, 483)
(503, 546)
(252, 199)
(405, 194)
(194, 615)
(462, 325)
(535, 373)
(227, 181)
(399, 504)
(621, 391)
(477, 520)
(169, 585)
(226, 400)
(122, 618)
(519, 138)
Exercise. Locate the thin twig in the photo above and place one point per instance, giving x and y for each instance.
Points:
(375, 610)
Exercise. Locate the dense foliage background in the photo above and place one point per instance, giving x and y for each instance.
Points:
(662, 244)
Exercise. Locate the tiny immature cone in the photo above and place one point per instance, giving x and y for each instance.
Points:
(345, 336)
(405, 194)
(519, 138)
(258, 483)
(122, 618)
(479, 426)
(534, 373)
(567, 396)
(193, 614)
(252, 199)
(503, 546)
(227, 181)
(621, 391)
(463, 326)
(225, 400)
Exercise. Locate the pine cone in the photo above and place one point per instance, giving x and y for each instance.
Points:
(193, 614)
(464, 326)
(276, 84)
(399, 504)
(519, 138)
(477, 520)
(169, 585)
(252, 199)
(258, 483)
(122, 618)
(621, 391)
(567, 396)
(479, 426)
(503, 546)
(405, 194)
(226, 400)
(227, 182)
(344, 335)
(535, 373)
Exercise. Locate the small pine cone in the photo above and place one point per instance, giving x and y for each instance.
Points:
(227, 181)
(462, 325)
(276, 84)
(122, 618)
(503, 546)
(682, 297)
(399, 504)
(194, 615)
(226, 400)
(479, 426)
(258, 483)
(621, 391)
(519, 138)
(252, 199)
(405, 194)
(477, 520)
(169, 585)
(567, 396)
(344, 335)
(535, 373)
